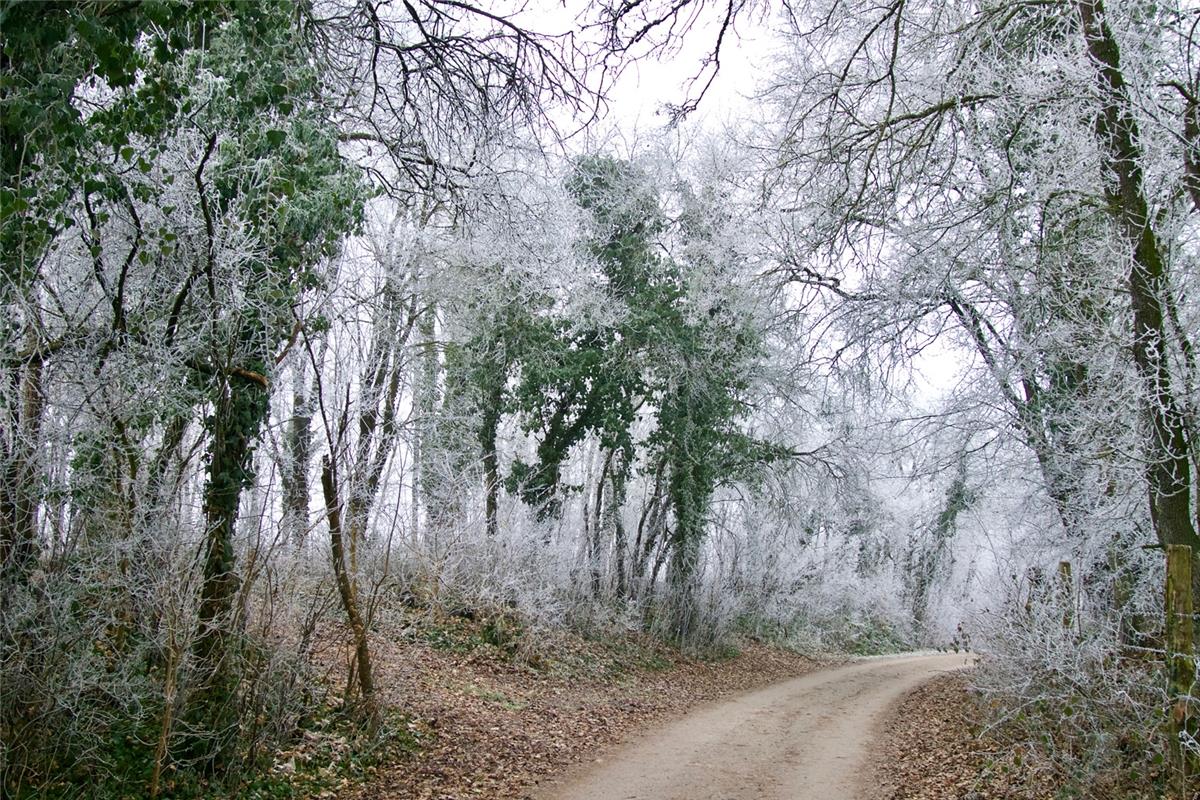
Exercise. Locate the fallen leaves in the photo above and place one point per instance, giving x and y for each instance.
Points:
(494, 726)
(929, 752)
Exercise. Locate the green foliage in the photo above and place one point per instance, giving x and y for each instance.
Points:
(626, 219)
(100, 103)
(840, 629)
(88, 699)
(925, 559)
(669, 352)
(688, 366)
(127, 763)
(872, 636)
(503, 631)
(182, 147)
(572, 383)
(93, 94)
(276, 173)
(598, 654)
(613, 656)
(333, 752)
(466, 631)
(330, 752)
(493, 696)
(1096, 737)
(53, 53)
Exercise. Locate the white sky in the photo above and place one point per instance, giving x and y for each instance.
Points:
(647, 85)
(636, 101)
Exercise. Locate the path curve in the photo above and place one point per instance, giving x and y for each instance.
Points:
(808, 738)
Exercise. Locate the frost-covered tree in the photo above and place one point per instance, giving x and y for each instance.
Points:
(1016, 180)
(177, 181)
(964, 168)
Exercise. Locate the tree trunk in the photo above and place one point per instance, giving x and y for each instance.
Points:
(491, 462)
(241, 407)
(1168, 471)
(348, 593)
(681, 580)
(297, 452)
(648, 530)
(601, 517)
(616, 503)
(1183, 720)
(1026, 409)
(425, 402)
(689, 494)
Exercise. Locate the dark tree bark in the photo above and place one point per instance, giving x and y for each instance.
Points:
(491, 462)
(1168, 470)
(1026, 405)
(297, 454)
(347, 593)
(617, 524)
(240, 408)
(650, 527)
(601, 516)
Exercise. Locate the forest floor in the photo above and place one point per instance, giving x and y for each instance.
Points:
(480, 707)
(493, 710)
(932, 749)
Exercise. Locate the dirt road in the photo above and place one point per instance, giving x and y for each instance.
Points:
(804, 739)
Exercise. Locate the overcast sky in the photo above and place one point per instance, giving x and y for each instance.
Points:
(647, 85)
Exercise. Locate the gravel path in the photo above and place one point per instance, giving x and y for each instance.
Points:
(808, 738)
